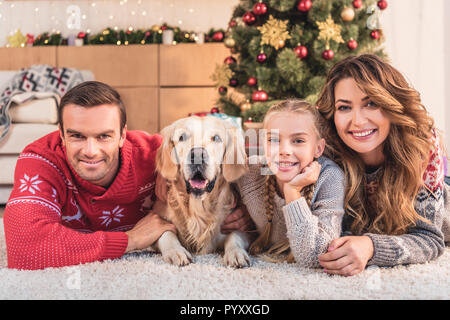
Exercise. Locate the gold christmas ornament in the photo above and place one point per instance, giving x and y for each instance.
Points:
(229, 42)
(17, 40)
(246, 106)
(330, 31)
(156, 28)
(222, 75)
(348, 14)
(273, 32)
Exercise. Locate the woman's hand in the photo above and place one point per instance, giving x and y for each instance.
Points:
(347, 256)
(307, 176)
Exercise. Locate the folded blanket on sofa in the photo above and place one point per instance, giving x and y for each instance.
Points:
(38, 78)
(34, 107)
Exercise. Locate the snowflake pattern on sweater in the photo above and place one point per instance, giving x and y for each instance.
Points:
(55, 218)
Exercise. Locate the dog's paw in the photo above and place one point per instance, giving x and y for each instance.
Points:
(177, 256)
(236, 258)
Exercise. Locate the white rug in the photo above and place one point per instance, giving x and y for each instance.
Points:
(146, 276)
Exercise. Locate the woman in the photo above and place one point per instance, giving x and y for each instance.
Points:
(383, 138)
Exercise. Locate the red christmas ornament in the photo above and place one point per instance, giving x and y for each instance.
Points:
(229, 60)
(382, 4)
(251, 81)
(304, 5)
(249, 18)
(261, 57)
(352, 44)
(259, 8)
(81, 35)
(259, 95)
(223, 90)
(215, 110)
(357, 4)
(375, 34)
(328, 54)
(233, 82)
(218, 36)
(301, 52)
(163, 28)
(232, 23)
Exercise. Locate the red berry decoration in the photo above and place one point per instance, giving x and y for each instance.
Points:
(375, 34)
(229, 60)
(261, 57)
(328, 54)
(382, 4)
(223, 90)
(260, 95)
(260, 8)
(215, 110)
(357, 4)
(251, 81)
(301, 52)
(352, 44)
(218, 36)
(249, 18)
(304, 5)
(233, 82)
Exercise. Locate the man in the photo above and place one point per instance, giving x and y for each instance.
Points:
(83, 193)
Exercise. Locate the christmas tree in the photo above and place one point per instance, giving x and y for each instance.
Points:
(284, 48)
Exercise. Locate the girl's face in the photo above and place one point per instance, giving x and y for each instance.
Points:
(291, 144)
(360, 124)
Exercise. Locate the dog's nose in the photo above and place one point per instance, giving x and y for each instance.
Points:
(199, 156)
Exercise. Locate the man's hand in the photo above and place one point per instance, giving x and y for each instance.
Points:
(239, 219)
(347, 256)
(147, 231)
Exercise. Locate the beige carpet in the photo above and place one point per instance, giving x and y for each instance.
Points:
(145, 275)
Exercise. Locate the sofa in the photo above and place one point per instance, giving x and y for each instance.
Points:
(33, 115)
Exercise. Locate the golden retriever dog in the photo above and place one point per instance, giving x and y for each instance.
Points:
(200, 157)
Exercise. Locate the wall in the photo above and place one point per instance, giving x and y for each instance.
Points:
(417, 35)
(40, 16)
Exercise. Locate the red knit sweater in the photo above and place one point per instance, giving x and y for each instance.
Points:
(54, 218)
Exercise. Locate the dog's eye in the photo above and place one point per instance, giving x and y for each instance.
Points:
(183, 137)
(216, 138)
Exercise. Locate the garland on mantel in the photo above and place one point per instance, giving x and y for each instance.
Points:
(115, 36)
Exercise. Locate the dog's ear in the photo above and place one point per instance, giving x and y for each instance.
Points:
(165, 164)
(235, 163)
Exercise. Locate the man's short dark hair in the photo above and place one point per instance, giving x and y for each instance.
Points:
(92, 94)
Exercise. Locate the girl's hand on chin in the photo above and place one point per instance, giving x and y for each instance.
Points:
(307, 176)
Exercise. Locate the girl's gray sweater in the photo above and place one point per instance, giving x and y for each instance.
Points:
(309, 229)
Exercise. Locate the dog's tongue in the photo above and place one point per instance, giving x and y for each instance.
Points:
(198, 184)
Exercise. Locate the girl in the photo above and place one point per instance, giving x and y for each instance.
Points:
(381, 135)
(288, 208)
